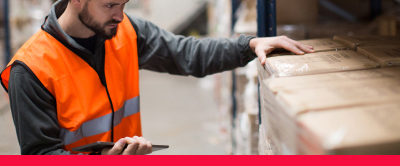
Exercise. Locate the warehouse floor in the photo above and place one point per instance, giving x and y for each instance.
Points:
(175, 111)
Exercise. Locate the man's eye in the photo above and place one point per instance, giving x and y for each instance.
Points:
(109, 6)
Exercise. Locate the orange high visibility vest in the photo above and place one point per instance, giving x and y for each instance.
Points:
(84, 110)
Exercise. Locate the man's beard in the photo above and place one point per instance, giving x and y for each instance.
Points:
(100, 30)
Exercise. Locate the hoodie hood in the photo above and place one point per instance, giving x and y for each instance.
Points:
(52, 27)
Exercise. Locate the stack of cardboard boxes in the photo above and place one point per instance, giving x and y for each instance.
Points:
(335, 102)
(309, 22)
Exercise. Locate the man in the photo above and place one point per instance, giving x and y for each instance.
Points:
(75, 82)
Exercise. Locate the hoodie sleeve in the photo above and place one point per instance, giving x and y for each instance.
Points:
(162, 51)
(35, 115)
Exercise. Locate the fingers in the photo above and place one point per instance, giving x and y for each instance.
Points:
(117, 148)
(144, 146)
(132, 146)
(137, 146)
(263, 46)
(262, 56)
(149, 148)
(290, 47)
(301, 47)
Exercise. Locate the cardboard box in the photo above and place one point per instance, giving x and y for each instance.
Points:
(361, 130)
(375, 76)
(326, 44)
(356, 41)
(320, 45)
(295, 32)
(281, 110)
(339, 95)
(317, 63)
(388, 26)
(280, 127)
(386, 56)
(332, 131)
(296, 12)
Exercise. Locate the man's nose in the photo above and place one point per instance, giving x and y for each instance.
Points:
(119, 16)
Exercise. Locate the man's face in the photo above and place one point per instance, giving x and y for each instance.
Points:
(103, 16)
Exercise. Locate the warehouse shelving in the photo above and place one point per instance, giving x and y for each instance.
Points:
(267, 23)
(6, 21)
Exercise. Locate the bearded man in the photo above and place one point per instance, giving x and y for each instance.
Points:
(76, 81)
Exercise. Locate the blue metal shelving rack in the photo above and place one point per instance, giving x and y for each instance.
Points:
(235, 6)
(7, 43)
(266, 27)
(266, 18)
(266, 11)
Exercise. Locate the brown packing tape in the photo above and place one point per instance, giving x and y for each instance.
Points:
(386, 56)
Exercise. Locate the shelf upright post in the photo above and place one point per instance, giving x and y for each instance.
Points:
(266, 18)
(235, 6)
(266, 24)
(7, 42)
(376, 8)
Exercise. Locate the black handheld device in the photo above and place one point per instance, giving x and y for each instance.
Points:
(99, 146)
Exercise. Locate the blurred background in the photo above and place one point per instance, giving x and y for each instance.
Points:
(218, 114)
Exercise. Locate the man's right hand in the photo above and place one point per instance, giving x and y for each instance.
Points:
(136, 146)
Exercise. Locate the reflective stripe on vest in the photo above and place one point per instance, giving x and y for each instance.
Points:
(101, 124)
(83, 105)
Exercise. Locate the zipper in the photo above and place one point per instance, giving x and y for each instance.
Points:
(108, 93)
(112, 115)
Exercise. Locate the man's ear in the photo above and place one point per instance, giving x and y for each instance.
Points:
(78, 4)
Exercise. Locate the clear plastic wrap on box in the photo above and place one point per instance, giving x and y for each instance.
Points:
(315, 63)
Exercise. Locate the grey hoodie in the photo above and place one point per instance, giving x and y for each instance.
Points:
(34, 108)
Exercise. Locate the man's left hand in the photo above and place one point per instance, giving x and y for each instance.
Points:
(263, 46)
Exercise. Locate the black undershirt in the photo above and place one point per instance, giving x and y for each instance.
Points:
(88, 43)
